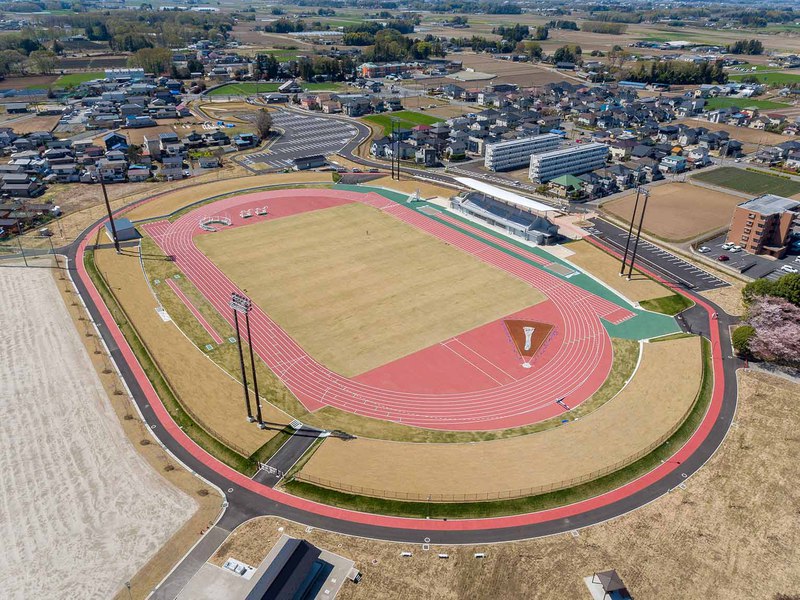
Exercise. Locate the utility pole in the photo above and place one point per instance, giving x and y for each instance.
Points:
(19, 241)
(240, 304)
(110, 216)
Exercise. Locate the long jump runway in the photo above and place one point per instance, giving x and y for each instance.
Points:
(577, 362)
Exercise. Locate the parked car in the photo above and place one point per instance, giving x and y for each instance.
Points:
(789, 269)
(734, 249)
(727, 246)
(723, 257)
(703, 249)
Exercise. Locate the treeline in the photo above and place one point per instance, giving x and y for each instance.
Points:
(391, 45)
(745, 47)
(677, 73)
(603, 27)
(517, 33)
(488, 8)
(129, 30)
(571, 25)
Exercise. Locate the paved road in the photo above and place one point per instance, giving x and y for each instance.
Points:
(286, 456)
(671, 267)
(303, 134)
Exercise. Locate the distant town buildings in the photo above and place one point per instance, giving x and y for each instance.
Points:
(568, 161)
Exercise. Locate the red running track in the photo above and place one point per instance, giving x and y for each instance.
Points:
(565, 512)
(578, 365)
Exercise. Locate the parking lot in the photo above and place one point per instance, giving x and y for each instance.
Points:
(649, 255)
(750, 264)
(303, 135)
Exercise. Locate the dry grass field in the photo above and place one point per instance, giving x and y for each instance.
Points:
(731, 533)
(640, 414)
(203, 388)
(35, 123)
(678, 212)
(358, 288)
(750, 138)
(606, 268)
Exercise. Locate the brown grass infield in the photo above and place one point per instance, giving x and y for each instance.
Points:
(638, 416)
(678, 212)
(358, 288)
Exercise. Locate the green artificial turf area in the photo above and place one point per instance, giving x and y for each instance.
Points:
(749, 182)
(407, 119)
(73, 79)
(714, 103)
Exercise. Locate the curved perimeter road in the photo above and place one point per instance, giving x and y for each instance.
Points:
(248, 499)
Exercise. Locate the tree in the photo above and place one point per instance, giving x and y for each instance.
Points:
(741, 339)
(11, 61)
(134, 153)
(263, 123)
(776, 322)
(43, 61)
(152, 60)
(567, 54)
(787, 287)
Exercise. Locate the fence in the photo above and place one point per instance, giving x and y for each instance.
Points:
(500, 495)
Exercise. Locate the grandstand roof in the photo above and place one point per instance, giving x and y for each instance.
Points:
(505, 195)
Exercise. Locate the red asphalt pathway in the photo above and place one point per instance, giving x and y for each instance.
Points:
(235, 478)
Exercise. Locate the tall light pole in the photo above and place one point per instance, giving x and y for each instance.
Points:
(110, 216)
(646, 194)
(240, 304)
(630, 232)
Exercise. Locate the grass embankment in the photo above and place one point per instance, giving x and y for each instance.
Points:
(668, 305)
(244, 464)
(749, 182)
(768, 78)
(250, 89)
(530, 503)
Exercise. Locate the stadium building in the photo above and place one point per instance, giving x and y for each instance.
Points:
(513, 154)
(568, 161)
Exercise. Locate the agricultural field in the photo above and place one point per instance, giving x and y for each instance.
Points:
(749, 182)
(73, 79)
(714, 103)
(403, 287)
(678, 212)
(251, 88)
(405, 118)
(770, 77)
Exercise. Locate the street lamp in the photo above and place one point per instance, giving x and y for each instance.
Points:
(110, 216)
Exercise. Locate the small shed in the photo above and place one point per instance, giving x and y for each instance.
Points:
(125, 230)
(309, 162)
(612, 584)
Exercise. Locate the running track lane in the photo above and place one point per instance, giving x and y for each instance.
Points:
(407, 524)
(194, 310)
(575, 372)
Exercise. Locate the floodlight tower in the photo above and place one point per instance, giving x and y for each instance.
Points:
(243, 304)
(240, 304)
(646, 194)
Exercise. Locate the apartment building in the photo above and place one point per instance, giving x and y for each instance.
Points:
(513, 154)
(568, 161)
(763, 225)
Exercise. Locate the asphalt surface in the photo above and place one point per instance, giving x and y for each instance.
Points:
(670, 266)
(749, 264)
(286, 456)
(243, 504)
(303, 134)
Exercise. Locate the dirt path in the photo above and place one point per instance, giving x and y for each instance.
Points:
(81, 509)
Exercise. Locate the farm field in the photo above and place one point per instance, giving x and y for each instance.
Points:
(99, 512)
(714, 103)
(250, 88)
(679, 212)
(405, 118)
(749, 182)
(73, 79)
(682, 537)
(30, 82)
(356, 306)
(770, 77)
(623, 426)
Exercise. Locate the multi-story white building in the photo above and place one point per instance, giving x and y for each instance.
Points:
(568, 161)
(513, 154)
